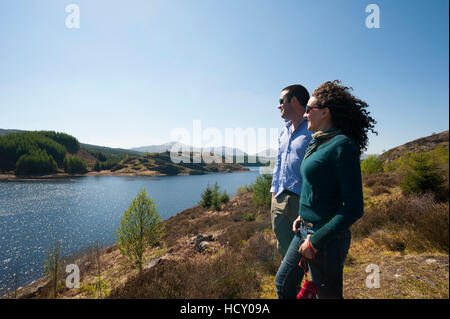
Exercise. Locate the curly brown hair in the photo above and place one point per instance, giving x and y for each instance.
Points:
(348, 113)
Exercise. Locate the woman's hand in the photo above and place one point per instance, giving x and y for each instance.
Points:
(295, 225)
(306, 249)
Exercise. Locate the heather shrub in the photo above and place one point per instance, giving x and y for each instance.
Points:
(381, 179)
(242, 190)
(379, 189)
(262, 253)
(249, 217)
(414, 222)
(224, 276)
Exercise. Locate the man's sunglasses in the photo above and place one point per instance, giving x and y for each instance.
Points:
(286, 100)
(309, 107)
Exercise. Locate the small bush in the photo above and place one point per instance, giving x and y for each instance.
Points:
(422, 175)
(140, 228)
(212, 198)
(371, 165)
(261, 191)
(249, 217)
(224, 198)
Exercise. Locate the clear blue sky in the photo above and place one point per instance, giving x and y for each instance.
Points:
(135, 70)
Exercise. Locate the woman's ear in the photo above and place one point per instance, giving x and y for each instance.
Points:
(325, 112)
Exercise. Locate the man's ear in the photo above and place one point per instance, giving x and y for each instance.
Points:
(295, 101)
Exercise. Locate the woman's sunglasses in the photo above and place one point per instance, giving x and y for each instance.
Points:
(309, 107)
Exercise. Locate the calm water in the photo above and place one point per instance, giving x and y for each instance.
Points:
(33, 214)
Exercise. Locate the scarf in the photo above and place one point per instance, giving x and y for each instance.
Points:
(318, 138)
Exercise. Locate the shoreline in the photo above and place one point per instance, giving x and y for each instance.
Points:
(65, 176)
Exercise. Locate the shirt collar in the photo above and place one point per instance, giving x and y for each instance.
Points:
(289, 122)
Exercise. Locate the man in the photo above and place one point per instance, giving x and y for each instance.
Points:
(287, 181)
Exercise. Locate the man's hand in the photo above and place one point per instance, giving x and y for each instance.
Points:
(307, 250)
(295, 226)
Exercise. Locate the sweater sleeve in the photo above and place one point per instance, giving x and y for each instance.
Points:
(348, 174)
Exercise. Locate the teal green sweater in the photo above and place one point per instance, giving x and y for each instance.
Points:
(331, 197)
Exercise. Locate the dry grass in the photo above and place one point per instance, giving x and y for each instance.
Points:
(415, 223)
(381, 179)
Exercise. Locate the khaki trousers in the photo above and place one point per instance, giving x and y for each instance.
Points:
(284, 211)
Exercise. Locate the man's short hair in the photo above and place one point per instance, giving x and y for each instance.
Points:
(299, 92)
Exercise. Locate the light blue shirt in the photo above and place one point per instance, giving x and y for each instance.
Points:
(291, 150)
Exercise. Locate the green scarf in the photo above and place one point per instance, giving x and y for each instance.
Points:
(318, 138)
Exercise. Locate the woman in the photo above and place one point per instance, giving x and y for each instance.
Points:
(331, 197)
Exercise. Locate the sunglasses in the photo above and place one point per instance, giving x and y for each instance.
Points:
(309, 107)
(286, 100)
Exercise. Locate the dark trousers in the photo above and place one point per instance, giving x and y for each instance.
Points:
(290, 275)
(326, 269)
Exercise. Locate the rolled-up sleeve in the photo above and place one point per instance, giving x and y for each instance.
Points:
(276, 170)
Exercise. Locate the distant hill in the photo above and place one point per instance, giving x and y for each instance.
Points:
(155, 148)
(227, 151)
(5, 131)
(423, 144)
(109, 150)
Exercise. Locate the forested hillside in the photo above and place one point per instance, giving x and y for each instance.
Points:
(39, 152)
